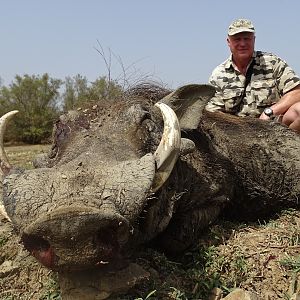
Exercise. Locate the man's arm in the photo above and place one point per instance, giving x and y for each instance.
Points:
(282, 106)
(289, 108)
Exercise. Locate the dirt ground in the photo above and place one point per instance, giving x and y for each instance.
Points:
(262, 257)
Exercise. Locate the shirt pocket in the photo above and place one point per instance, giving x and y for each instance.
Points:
(232, 99)
(264, 92)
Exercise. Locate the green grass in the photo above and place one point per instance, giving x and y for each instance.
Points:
(52, 291)
(148, 297)
(3, 240)
(208, 269)
(291, 263)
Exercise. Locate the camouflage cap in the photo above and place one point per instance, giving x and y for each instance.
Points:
(240, 25)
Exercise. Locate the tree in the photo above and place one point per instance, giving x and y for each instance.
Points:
(36, 99)
(78, 92)
(102, 88)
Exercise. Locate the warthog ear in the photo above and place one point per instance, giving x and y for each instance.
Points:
(188, 103)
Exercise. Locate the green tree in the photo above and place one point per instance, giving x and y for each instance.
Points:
(36, 99)
(76, 92)
(102, 88)
(79, 92)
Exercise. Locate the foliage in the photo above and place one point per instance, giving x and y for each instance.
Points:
(78, 92)
(35, 97)
(39, 102)
(102, 88)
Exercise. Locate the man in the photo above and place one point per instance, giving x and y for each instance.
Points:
(272, 90)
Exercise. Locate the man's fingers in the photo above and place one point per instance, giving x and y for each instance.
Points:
(295, 125)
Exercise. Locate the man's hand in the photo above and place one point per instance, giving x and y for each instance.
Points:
(291, 118)
(287, 110)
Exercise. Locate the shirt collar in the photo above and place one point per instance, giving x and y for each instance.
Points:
(229, 63)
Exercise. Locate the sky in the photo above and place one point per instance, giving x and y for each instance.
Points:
(171, 41)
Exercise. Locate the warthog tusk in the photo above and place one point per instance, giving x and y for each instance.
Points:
(4, 163)
(168, 149)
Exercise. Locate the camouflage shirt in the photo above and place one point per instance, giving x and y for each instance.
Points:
(270, 80)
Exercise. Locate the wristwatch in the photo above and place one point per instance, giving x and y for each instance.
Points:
(268, 111)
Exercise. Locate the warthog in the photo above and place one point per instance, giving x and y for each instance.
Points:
(131, 171)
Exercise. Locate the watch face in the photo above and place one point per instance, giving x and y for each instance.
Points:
(268, 111)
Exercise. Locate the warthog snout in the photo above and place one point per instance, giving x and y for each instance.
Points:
(85, 234)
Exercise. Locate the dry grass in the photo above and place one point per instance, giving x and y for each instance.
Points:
(21, 156)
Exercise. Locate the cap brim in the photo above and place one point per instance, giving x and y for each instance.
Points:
(233, 32)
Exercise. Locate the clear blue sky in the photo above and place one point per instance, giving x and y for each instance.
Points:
(178, 42)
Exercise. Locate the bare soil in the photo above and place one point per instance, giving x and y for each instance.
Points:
(263, 257)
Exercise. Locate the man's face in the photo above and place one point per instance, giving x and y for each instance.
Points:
(241, 45)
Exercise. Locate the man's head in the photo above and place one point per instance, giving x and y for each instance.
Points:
(241, 39)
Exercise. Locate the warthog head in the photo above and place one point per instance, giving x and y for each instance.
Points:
(87, 201)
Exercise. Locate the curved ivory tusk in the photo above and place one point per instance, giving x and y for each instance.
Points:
(3, 212)
(4, 163)
(168, 149)
(2, 207)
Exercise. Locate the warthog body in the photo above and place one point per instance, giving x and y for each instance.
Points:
(98, 194)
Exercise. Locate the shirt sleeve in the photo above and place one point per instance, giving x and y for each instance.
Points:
(216, 103)
(286, 78)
